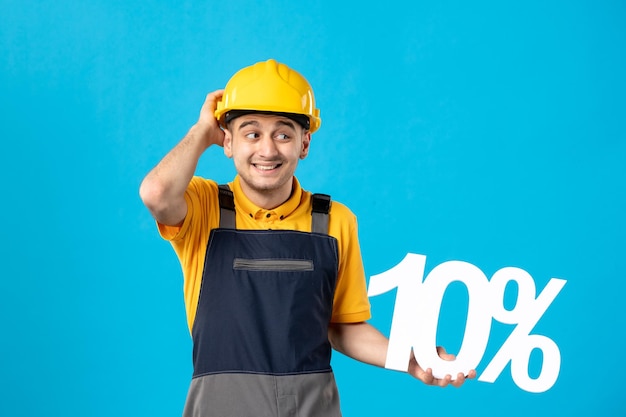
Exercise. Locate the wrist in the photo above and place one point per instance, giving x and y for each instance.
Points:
(207, 134)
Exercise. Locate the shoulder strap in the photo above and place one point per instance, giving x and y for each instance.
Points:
(319, 213)
(227, 207)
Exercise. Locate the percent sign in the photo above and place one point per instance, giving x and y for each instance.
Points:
(416, 316)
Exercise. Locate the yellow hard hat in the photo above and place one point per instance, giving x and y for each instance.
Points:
(269, 87)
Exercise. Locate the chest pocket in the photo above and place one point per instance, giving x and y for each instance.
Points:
(275, 265)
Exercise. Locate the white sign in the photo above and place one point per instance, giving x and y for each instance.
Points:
(416, 315)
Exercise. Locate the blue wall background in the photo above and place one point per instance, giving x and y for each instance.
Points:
(489, 132)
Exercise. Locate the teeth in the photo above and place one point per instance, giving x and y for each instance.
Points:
(266, 167)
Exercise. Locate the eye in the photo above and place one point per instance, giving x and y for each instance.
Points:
(282, 136)
(252, 135)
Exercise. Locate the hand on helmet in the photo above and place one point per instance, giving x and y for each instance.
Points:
(207, 123)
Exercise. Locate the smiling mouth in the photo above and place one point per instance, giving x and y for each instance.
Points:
(266, 167)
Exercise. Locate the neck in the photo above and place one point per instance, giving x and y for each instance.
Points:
(268, 199)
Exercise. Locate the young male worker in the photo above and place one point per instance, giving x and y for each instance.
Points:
(273, 275)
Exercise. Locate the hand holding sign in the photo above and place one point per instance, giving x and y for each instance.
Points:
(427, 376)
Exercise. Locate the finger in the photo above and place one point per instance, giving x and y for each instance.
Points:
(441, 351)
(216, 94)
(212, 98)
(440, 382)
(444, 381)
(460, 380)
(207, 112)
(428, 377)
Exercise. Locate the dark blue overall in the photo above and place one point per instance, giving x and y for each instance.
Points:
(260, 336)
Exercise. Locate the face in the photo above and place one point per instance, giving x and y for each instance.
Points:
(266, 150)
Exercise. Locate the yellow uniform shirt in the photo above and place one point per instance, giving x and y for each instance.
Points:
(189, 241)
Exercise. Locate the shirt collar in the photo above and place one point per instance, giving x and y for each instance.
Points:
(249, 208)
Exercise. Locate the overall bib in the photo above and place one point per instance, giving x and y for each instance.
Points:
(260, 336)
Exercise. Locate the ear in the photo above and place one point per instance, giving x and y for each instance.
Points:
(306, 143)
(228, 143)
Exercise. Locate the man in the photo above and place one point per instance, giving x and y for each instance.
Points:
(273, 275)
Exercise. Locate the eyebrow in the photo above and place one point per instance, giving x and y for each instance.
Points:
(247, 123)
(287, 123)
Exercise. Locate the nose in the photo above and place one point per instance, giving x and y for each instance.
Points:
(267, 147)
